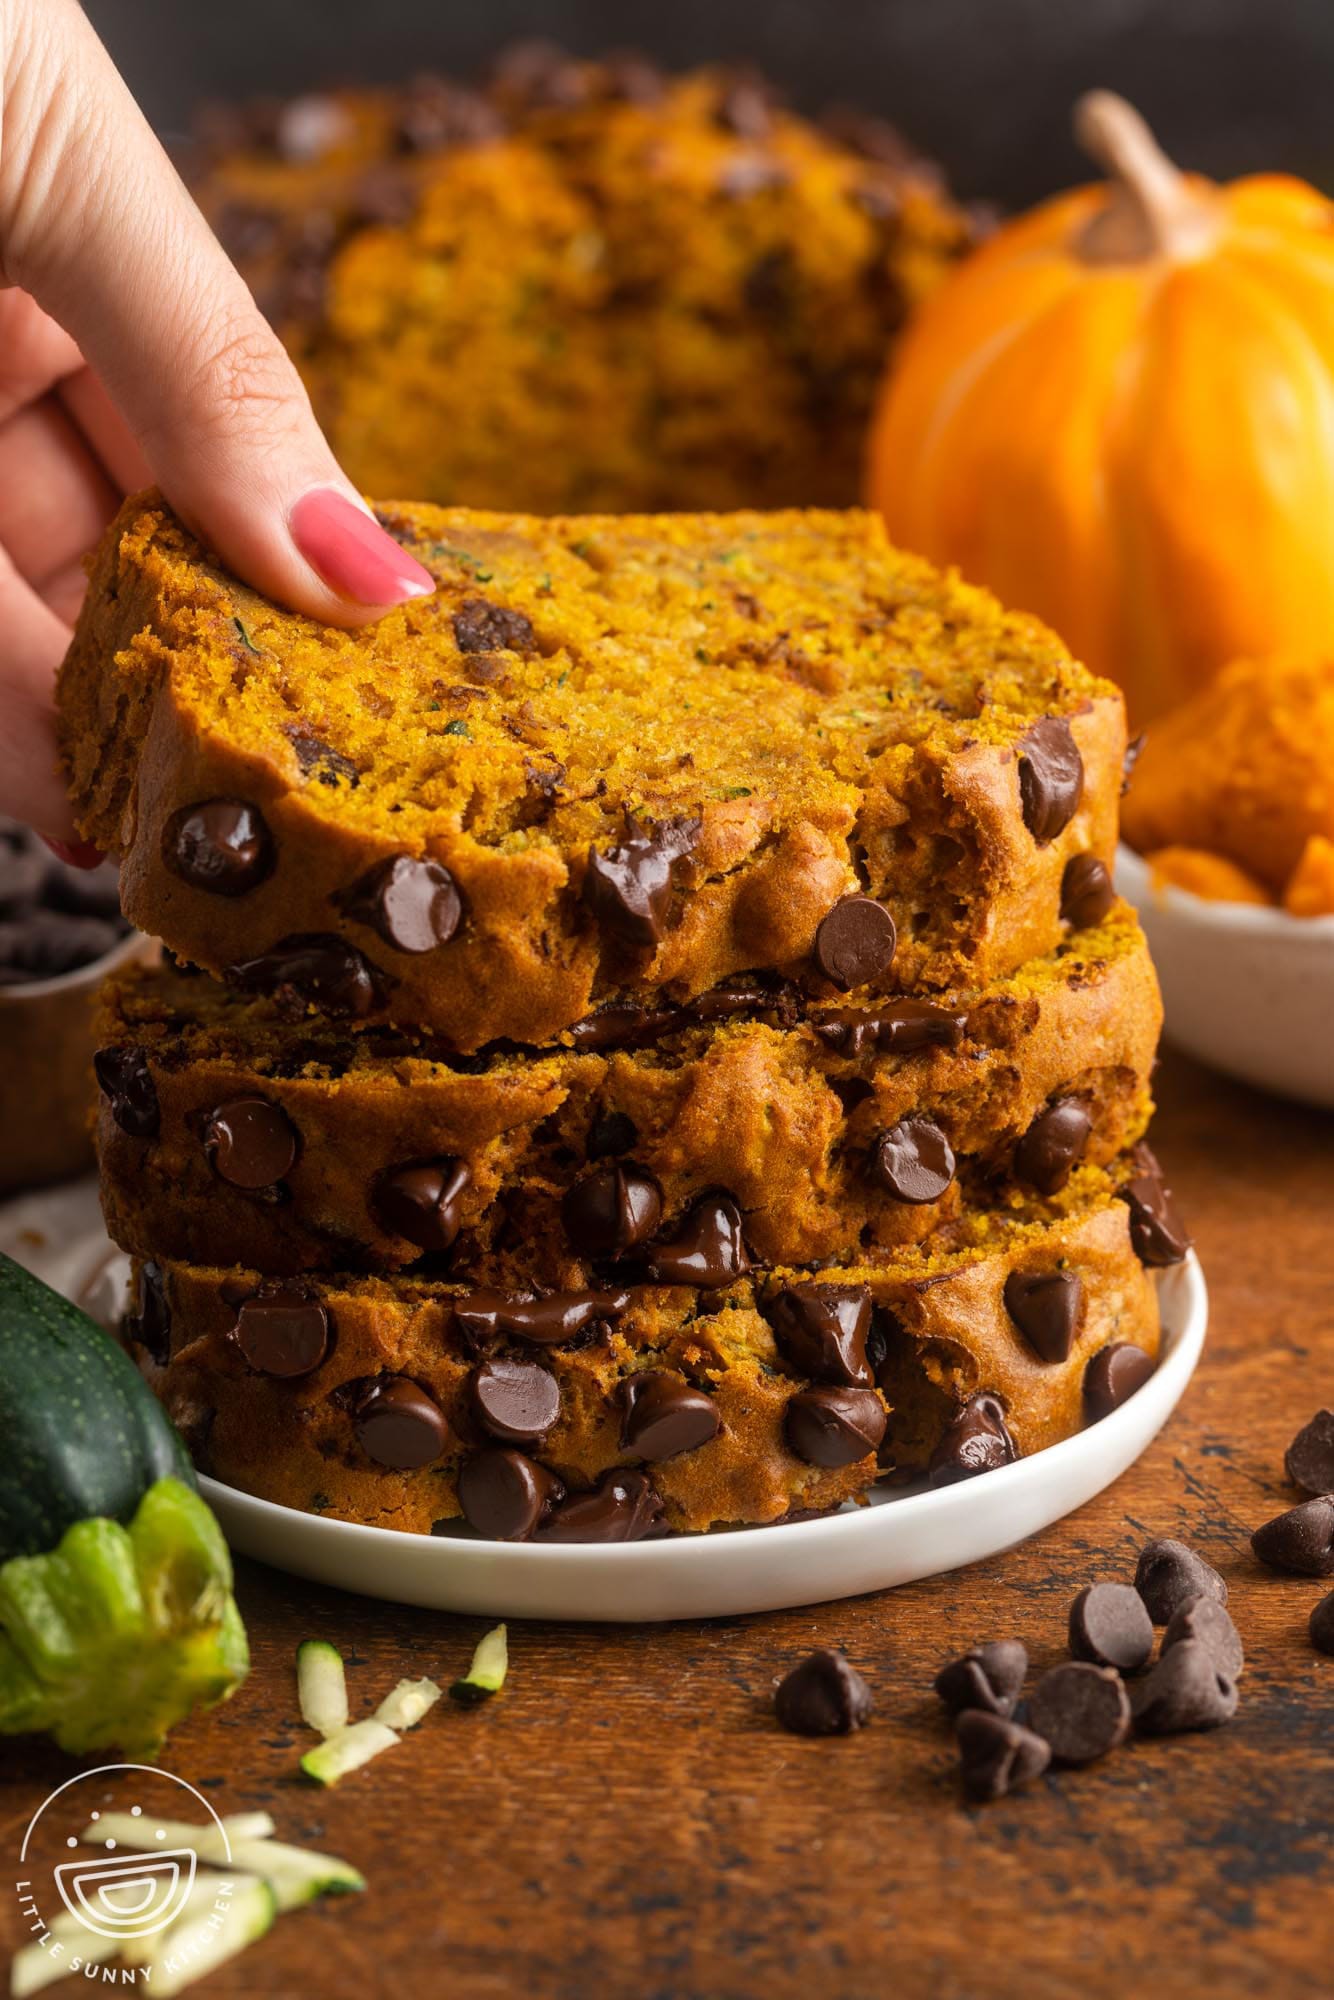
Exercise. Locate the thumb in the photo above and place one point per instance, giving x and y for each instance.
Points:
(96, 224)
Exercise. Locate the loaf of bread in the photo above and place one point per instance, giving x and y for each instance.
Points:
(585, 286)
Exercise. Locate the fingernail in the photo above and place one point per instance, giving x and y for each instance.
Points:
(76, 853)
(352, 552)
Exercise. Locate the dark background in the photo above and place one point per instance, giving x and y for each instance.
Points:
(986, 85)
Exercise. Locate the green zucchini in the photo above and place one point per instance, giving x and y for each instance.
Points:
(321, 1686)
(490, 1664)
(82, 1436)
(347, 1751)
(116, 1608)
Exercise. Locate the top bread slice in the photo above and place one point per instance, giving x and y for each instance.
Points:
(612, 759)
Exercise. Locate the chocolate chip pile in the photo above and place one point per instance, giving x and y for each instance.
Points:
(1088, 1706)
(1111, 1687)
(53, 918)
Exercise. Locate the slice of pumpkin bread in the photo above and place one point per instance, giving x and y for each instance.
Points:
(611, 1412)
(228, 1136)
(611, 759)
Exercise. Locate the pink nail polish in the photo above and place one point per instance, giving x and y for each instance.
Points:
(353, 553)
(76, 853)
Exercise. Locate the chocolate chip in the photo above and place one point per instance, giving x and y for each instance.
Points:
(1081, 1711)
(611, 1135)
(854, 943)
(628, 888)
(878, 196)
(485, 1314)
(538, 75)
(1186, 1690)
(1205, 1620)
(1086, 891)
(504, 1495)
(150, 1321)
(665, 1416)
(708, 1249)
(1045, 1306)
(329, 766)
(413, 905)
(383, 194)
(1113, 1376)
(1322, 1625)
(832, 1427)
(1110, 1625)
(250, 1143)
(124, 1078)
(313, 969)
(625, 1026)
(482, 627)
(422, 1200)
(515, 1401)
(1157, 1233)
(823, 1696)
(431, 115)
(986, 1677)
(1134, 749)
(622, 1507)
(222, 846)
(1169, 1574)
(903, 1026)
(821, 1330)
(280, 1333)
(760, 992)
(913, 1161)
(997, 1754)
(745, 106)
(627, 77)
(612, 1209)
(1051, 778)
(977, 1440)
(1053, 1145)
(1309, 1459)
(1300, 1541)
(870, 137)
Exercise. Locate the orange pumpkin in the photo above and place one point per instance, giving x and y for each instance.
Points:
(1120, 414)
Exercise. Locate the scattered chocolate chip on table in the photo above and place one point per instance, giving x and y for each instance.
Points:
(987, 1677)
(1110, 1626)
(1081, 1711)
(823, 1696)
(1169, 1574)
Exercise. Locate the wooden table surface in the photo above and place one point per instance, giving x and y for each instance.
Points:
(626, 1819)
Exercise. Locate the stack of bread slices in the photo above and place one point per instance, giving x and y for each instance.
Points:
(647, 1040)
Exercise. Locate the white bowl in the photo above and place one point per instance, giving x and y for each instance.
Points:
(1248, 989)
(901, 1536)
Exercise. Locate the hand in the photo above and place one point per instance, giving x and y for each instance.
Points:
(132, 352)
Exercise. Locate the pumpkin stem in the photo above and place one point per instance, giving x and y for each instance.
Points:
(1151, 210)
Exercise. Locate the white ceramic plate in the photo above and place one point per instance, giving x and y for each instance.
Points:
(1248, 989)
(901, 1536)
